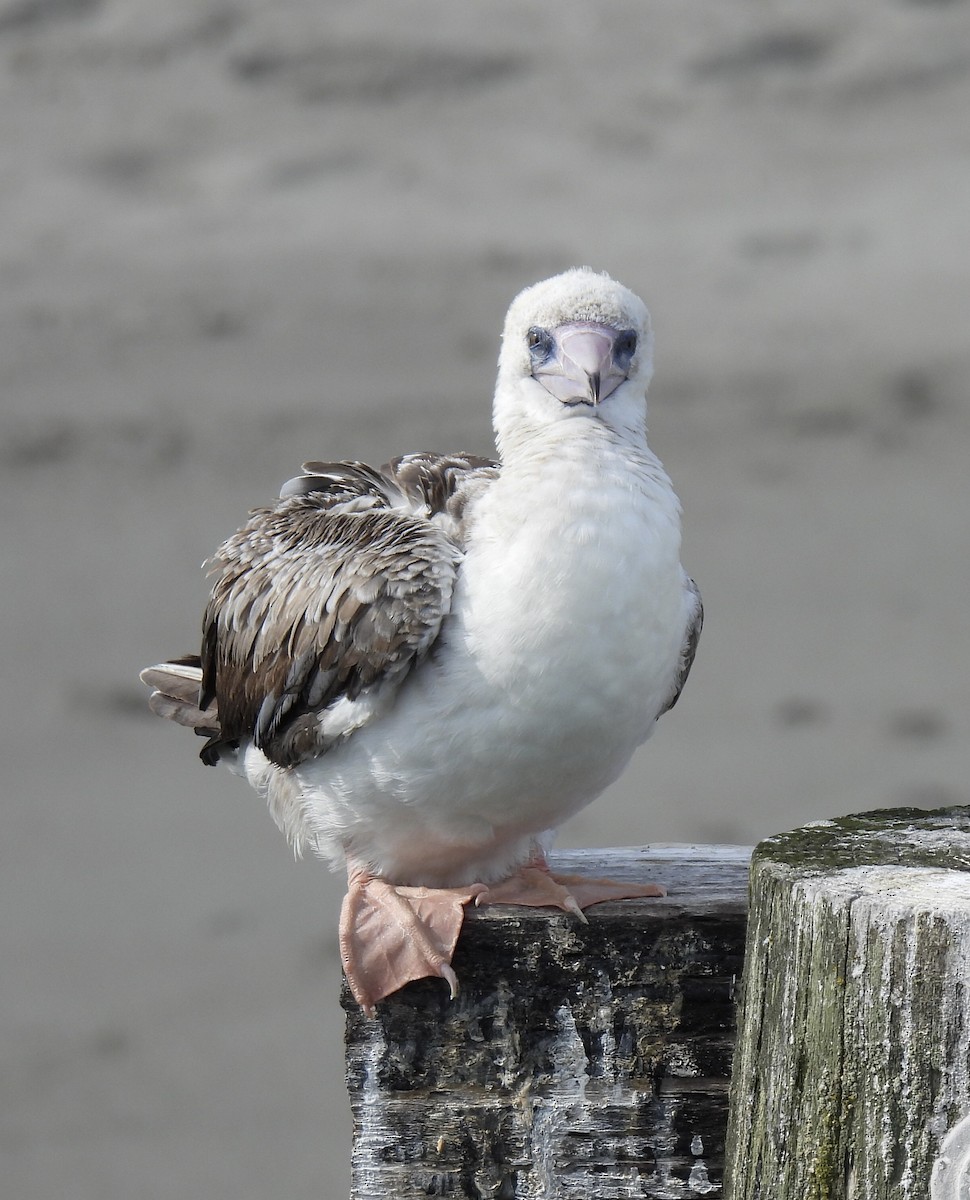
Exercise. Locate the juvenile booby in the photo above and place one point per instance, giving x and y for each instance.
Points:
(425, 669)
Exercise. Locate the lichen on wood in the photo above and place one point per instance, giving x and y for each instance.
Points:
(578, 1060)
(853, 1056)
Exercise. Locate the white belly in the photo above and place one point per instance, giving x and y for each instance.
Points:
(560, 651)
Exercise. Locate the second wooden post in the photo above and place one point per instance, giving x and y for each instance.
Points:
(852, 1069)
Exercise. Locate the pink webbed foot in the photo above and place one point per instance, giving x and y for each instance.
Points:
(391, 934)
(536, 886)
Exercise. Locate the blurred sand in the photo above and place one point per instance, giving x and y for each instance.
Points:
(235, 236)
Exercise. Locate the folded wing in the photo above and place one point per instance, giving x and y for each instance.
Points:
(692, 635)
(322, 604)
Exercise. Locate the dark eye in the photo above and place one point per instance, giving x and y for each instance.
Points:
(624, 347)
(540, 343)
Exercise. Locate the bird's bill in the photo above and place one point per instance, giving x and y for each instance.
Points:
(582, 369)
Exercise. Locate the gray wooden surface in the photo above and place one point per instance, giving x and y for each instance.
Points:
(577, 1061)
(853, 1055)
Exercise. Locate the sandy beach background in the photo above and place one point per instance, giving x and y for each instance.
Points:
(235, 235)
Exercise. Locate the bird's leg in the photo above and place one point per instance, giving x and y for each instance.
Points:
(390, 934)
(536, 886)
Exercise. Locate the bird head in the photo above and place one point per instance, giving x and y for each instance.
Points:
(577, 346)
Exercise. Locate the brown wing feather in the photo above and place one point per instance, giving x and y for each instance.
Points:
(324, 603)
(442, 483)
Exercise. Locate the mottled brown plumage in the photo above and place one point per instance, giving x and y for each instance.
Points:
(331, 595)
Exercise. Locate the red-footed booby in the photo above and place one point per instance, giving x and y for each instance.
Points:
(425, 669)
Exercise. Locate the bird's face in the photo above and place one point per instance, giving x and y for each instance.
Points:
(581, 362)
(577, 346)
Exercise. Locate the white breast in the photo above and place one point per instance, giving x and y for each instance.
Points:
(577, 613)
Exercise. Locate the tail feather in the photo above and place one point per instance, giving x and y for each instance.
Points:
(176, 687)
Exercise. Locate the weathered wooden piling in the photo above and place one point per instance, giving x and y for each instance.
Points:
(579, 1061)
(852, 1069)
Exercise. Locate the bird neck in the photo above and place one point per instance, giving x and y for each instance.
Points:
(580, 442)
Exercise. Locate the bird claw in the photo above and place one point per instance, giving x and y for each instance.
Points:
(448, 975)
(572, 905)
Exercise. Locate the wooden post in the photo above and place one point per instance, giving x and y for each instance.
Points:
(579, 1061)
(853, 1055)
